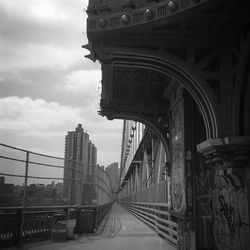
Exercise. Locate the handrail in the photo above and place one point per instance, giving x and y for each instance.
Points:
(28, 221)
(34, 153)
(39, 223)
(149, 203)
(45, 207)
(95, 200)
(155, 216)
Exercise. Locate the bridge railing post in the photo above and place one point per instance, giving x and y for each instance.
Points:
(18, 223)
(21, 224)
(71, 162)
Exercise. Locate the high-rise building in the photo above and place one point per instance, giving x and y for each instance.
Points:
(114, 172)
(80, 162)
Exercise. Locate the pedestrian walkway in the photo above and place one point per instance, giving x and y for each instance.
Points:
(119, 231)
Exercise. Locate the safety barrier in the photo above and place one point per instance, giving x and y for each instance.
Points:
(88, 219)
(17, 227)
(156, 215)
(36, 223)
(35, 187)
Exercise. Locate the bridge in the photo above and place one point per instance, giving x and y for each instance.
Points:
(181, 68)
(36, 215)
(178, 74)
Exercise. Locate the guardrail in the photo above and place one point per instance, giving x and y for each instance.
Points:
(39, 222)
(150, 204)
(156, 215)
(88, 219)
(35, 187)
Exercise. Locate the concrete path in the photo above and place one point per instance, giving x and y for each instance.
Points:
(120, 231)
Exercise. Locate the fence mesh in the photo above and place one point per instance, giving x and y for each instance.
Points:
(32, 179)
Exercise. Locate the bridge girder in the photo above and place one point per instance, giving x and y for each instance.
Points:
(199, 55)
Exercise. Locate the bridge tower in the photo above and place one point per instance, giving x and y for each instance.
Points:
(182, 67)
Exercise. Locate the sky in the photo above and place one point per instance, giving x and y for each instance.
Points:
(47, 86)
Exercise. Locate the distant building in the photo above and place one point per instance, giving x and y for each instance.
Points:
(114, 172)
(80, 161)
(59, 190)
(6, 193)
(47, 201)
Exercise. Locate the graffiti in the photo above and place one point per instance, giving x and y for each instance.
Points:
(178, 176)
(203, 193)
(178, 188)
(222, 209)
(230, 216)
(189, 181)
(204, 198)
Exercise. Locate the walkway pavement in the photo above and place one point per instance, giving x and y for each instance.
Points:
(120, 231)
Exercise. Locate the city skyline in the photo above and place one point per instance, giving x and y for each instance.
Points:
(47, 86)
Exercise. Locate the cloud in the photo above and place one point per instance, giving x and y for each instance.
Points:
(83, 83)
(36, 118)
(47, 86)
(38, 124)
(40, 47)
(47, 10)
(46, 21)
(39, 56)
(42, 34)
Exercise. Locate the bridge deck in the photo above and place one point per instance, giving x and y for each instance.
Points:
(119, 231)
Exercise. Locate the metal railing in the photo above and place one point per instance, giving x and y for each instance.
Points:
(151, 206)
(35, 187)
(37, 224)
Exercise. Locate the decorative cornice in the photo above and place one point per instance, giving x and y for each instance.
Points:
(154, 10)
(227, 144)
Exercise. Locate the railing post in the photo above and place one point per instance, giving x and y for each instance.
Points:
(24, 199)
(81, 186)
(69, 188)
(94, 218)
(97, 185)
(78, 221)
(18, 230)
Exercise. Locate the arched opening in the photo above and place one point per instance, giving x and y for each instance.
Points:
(177, 107)
(172, 67)
(181, 72)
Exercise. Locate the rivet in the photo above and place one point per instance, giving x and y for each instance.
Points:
(102, 22)
(149, 13)
(173, 6)
(125, 19)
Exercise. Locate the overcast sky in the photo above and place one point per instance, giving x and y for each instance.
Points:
(47, 86)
